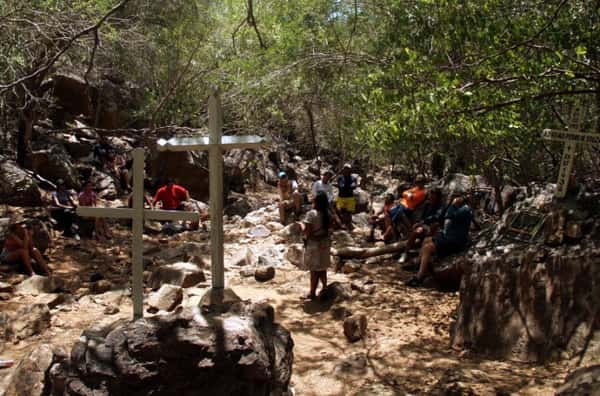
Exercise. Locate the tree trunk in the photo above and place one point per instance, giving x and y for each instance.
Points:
(25, 132)
(362, 253)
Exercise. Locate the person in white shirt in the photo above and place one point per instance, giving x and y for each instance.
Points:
(323, 185)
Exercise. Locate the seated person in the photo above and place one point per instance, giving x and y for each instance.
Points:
(453, 238)
(172, 196)
(87, 197)
(399, 214)
(101, 150)
(63, 208)
(323, 185)
(433, 217)
(289, 197)
(19, 249)
(378, 219)
(346, 202)
(118, 166)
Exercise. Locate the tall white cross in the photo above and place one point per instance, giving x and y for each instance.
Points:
(215, 144)
(137, 214)
(572, 140)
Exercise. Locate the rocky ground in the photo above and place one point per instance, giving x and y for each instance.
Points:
(405, 348)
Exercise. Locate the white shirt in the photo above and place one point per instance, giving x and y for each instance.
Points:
(326, 188)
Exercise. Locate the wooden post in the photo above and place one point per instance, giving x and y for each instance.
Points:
(138, 231)
(215, 124)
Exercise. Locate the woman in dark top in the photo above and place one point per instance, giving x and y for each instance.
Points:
(63, 210)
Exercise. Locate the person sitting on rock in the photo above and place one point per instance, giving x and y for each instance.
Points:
(400, 214)
(316, 227)
(172, 196)
(19, 250)
(378, 219)
(63, 208)
(101, 150)
(453, 238)
(290, 199)
(432, 219)
(87, 197)
(118, 166)
(346, 202)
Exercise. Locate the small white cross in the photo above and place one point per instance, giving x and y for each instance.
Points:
(572, 140)
(138, 214)
(215, 144)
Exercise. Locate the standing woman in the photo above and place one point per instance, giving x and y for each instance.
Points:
(316, 255)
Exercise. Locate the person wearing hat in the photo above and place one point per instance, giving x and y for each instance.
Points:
(63, 209)
(19, 249)
(399, 215)
(453, 238)
(289, 197)
(346, 202)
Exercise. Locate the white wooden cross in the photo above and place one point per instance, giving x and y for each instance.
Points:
(137, 214)
(572, 139)
(215, 144)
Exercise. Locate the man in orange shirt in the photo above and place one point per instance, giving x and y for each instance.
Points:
(408, 203)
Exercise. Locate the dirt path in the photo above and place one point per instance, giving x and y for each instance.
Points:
(406, 351)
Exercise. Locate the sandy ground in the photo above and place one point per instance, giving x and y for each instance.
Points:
(407, 350)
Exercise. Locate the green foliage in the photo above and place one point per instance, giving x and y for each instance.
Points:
(385, 80)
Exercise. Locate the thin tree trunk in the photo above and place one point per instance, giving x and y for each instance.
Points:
(362, 253)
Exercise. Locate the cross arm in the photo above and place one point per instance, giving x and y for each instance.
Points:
(126, 213)
(204, 143)
(570, 136)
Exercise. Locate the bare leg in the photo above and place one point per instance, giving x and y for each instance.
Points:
(22, 255)
(314, 280)
(323, 278)
(282, 212)
(426, 251)
(297, 202)
(40, 260)
(99, 229)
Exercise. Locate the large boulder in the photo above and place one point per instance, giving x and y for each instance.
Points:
(54, 163)
(185, 167)
(583, 381)
(179, 274)
(239, 352)
(28, 321)
(532, 304)
(29, 377)
(37, 284)
(17, 187)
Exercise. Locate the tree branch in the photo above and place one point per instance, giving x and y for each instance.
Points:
(544, 95)
(56, 57)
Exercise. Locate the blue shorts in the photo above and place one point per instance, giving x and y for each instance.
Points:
(398, 211)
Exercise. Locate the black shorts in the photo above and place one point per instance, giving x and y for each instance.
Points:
(445, 247)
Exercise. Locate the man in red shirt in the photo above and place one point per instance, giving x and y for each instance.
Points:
(175, 197)
(171, 195)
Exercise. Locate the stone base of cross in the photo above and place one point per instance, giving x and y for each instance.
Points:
(137, 214)
(215, 144)
(573, 140)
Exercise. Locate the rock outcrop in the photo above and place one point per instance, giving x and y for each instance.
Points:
(531, 306)
(240, 352)
(17, 187)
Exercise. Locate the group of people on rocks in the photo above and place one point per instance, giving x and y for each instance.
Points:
(442, 227)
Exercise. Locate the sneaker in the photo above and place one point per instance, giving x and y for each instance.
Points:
(414, 282)
(402, 258)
